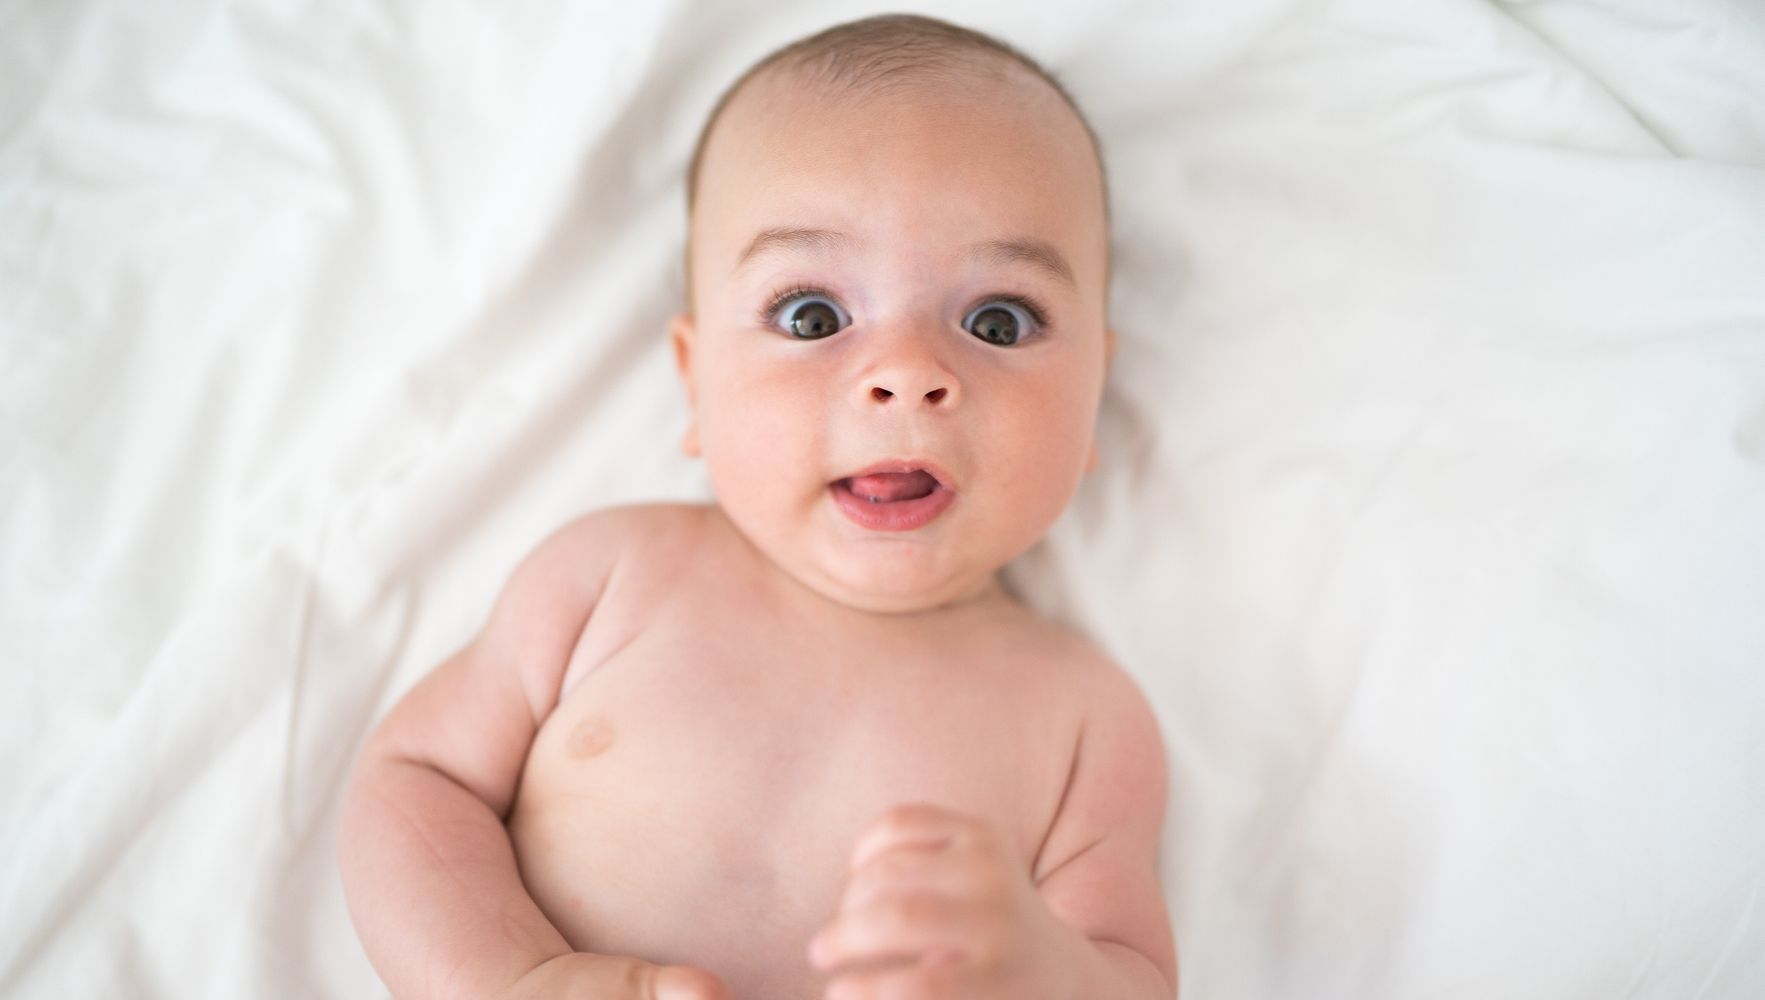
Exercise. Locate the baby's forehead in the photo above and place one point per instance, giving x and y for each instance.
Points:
(793, 148)
(787, 131)
(776, 97)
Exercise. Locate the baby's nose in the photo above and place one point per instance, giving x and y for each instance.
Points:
(933, 397)
(920, 380)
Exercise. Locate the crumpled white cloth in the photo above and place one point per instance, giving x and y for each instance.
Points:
(1431, 512)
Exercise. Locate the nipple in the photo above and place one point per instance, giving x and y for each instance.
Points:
(591, 736)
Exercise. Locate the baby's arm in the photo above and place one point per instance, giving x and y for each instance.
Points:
(1099, 866)
(427, 865)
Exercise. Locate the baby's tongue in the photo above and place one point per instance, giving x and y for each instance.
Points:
(890, 486)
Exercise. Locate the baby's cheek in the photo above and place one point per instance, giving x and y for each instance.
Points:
(760, 448)
(1043, 464)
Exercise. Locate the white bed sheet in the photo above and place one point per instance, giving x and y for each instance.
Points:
(1431, 512)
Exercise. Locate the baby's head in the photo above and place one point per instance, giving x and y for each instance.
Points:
(897, 264)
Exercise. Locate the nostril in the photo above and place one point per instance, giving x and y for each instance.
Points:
(936, 395)
(880, 394)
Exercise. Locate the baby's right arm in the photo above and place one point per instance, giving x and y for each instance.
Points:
(427, 864)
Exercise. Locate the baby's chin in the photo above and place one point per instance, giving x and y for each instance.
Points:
(885, 575)
(886, 586)
(941, 565)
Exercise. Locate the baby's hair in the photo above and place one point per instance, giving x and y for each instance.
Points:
(875, 54)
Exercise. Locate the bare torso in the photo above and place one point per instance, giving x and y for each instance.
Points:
(725, 735)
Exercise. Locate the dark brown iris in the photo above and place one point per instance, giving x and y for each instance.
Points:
(996, 326)
(814, 320)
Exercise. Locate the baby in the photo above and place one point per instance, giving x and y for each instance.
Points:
(801, 743)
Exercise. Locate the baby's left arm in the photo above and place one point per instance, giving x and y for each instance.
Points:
(936, 905)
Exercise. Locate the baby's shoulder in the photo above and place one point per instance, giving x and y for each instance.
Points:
(1025, 634)
(575, 565)
(1084, 674)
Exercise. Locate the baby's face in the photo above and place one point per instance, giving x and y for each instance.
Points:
(912, 281)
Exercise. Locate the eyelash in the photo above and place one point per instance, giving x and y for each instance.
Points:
(1030, 306)
(769, 313)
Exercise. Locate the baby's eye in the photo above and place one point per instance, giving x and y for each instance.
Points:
(810, 317)
(1001, 322)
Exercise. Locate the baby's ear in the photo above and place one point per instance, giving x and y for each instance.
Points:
(1108, 356)
(680, 334)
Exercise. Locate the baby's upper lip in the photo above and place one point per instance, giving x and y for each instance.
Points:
(945, 481)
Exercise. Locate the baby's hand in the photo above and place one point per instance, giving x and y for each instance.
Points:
(936, 907)
(581, 976)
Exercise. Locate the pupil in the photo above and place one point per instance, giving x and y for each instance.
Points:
(814, 320)
(996, 326)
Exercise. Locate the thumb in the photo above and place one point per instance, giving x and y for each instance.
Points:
(683, 982)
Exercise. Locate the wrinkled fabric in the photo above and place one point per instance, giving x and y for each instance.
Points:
(1430, 510)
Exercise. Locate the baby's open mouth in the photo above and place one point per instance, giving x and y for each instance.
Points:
(892, 496)
(890, 487)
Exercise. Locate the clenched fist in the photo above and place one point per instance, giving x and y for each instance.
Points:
(935, 907)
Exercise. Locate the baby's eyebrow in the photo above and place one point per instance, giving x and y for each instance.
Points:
(1038, 254)
(1025, 250)
(821, 241)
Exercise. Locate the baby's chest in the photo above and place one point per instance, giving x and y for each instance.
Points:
(785, 746)
(736, 777)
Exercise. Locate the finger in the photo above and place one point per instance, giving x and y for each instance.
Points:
(683, 982)
(955, 872)
(903, 927)
(581, 974)
(916, 823)
(938, 976)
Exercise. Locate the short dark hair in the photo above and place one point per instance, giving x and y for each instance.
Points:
(875, 53)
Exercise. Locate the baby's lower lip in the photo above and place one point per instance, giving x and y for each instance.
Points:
(896, 515)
